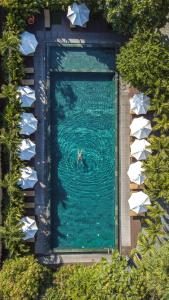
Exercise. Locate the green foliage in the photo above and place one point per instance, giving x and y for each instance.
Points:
(131, 16)
(13, 65)
(29, 7)
(144, 63)
(119, 15)
(23, 279)
(104, 281)
(57, 4)
(101, 281)
(156, 268)
(11, 233)
(12, 58)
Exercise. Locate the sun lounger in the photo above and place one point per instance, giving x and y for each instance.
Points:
(29, 204)
(72, 26)
(47, 18)
(30, 240)
(133, 214)
(28, 82)
(85, 25)
(29, 193)
(134, 186)
(132, 113)
(29, 70)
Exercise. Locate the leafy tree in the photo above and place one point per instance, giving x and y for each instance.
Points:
(144, 63)
(157, 181)
(156, 269)
(160, 143)
(101, 281)
(23, 279)
(119, 15)
(12, 235)
(12, 60)
(131, 16)
(159, 102)
(162, 123)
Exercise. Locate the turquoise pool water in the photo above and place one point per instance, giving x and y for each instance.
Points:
(83, 193)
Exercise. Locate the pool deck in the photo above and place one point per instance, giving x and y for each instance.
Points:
(94, 35)
(124, 161)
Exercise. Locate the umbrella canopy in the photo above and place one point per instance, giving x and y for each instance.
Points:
(135, 172)
(140, 209)
(28, 178)
(28, 43)
(140, 128)
(28, 123)
(138, 201)
(29, 228)
(140, 150)
(139, 104)
(27, 96)
(78, 14)
(26, 149)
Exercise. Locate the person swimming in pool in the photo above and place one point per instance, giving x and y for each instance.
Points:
(79, 155)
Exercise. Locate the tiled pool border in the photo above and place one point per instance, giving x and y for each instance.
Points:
(47, 74)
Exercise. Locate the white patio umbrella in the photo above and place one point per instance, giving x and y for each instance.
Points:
(140, 128)
(27, 96)
(28, 123)
(28, 178)
(135, 172)
(138, 202)
(28, 43)
(139, 104)
(29, 228)
(139, 209)
(140, 149)
(26, 149)
(78, 14)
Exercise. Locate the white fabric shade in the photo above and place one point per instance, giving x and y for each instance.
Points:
(29, 228)
(135, 172)
(28, 178)
(139, 104)
(139, 209)
(28, 43)
(140, 150)
(27, 96)
(138, 202)
(28, 123)
(78, 14)
(140, 128)
(26, 149)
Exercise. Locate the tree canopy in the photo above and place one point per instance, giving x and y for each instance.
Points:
(131, 16)
(23, 279)
(144, 62)
(115, 280)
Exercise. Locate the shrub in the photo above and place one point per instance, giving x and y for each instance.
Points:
(101, 281)
(156, 269)
(131, 16)
(23, 279)
(144, 63)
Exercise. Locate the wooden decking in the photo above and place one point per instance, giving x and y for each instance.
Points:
(135, 229)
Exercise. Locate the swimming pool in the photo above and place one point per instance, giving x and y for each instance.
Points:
(83, 117)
